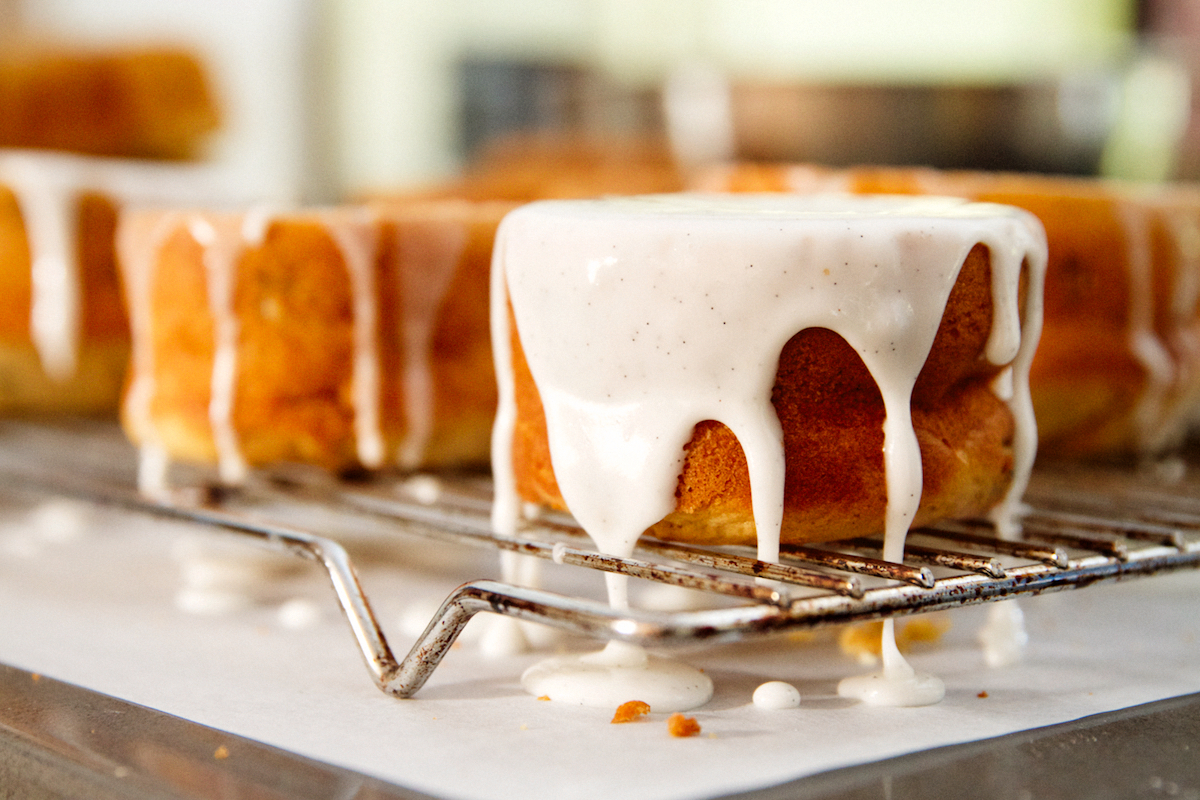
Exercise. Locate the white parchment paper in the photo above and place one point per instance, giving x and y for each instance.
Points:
(88, 596)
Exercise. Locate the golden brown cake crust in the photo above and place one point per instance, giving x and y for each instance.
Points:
(537, 167)
(832, 416)
(143, 103)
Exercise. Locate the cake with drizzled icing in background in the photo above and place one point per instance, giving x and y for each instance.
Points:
(83, 133)
(1118, 369)
(347, 337)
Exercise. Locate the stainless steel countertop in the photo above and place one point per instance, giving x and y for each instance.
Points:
(59, 740)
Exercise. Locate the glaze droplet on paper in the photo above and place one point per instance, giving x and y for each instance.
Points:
(897, 683)
(776, 696)
(617, 674)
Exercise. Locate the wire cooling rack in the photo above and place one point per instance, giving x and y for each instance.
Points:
(1086, 524)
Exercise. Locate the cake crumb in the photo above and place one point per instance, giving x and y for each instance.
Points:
(628, 712)
(982, 694)
(680, 726)
(35, 677)
(544, 697)
(221, 753)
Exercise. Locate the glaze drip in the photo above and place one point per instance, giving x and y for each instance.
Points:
(138, 243)
(48, 188)
(438, 248)
(48, 209)
(224, 239)
(1161, 248)
(358, 240)
(641, 317)
(1145, 343)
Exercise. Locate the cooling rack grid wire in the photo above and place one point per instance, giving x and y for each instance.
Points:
(1086, 524)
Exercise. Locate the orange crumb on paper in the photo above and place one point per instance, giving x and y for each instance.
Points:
(982, 694)
(221, 753)
(544, 697)
(628, 712)
(680, 726)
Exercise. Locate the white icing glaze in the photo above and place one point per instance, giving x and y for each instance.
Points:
(698, 107)
(138, 245)
(504, 636)
(47, 200)
(897, 684)
(221, 238)
(1144, 342)
(357, 237)
(668, 597)
(211, 602)
(52, 523)
(617, 674)
(499, 636)
(641, 317)
(299, 613)
(425, 489)
(635, 315)
(60, 521)
(776, 696)
(521, 570)
(1003, 636)
(48, 187)
(437, 248)
(218, 577)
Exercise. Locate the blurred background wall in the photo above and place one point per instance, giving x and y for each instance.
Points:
(329, 98)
